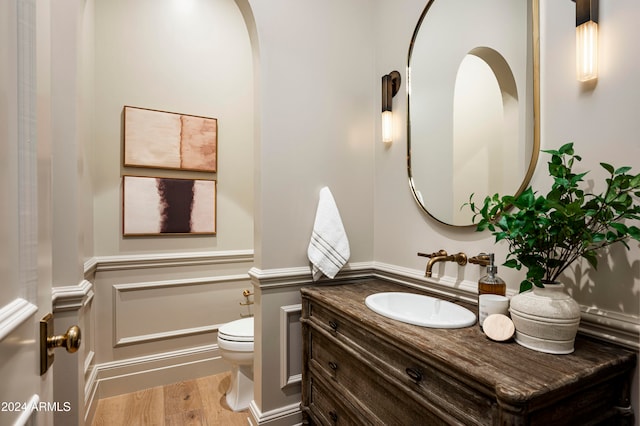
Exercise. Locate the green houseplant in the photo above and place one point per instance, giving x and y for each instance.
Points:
(547, 233)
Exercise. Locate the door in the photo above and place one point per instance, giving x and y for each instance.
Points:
(26, 397)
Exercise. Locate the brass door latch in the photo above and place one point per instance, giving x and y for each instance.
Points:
(70, 341)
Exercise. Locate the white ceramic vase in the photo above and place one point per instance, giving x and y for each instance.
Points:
(546, 319)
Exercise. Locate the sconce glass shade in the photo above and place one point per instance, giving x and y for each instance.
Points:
(390, 86)
(387, 126)
(587, 51)
(587, 39)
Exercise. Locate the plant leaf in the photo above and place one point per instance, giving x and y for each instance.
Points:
(608, 167)
(511, 263)
(620, 227)
(591, 258)
(566, 148)
(525, 286)
(634, 232)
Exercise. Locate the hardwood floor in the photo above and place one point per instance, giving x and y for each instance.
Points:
(195, 402)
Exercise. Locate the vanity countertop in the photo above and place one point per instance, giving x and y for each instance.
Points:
(512, 373)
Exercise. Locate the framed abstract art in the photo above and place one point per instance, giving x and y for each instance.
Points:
(168, 206)
(168, 140)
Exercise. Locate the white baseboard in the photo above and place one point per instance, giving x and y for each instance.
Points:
(134, 374)
(290, 415)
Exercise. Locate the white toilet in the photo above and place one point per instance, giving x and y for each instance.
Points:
(235, 340)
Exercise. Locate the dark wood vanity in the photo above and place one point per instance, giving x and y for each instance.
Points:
(362, 368)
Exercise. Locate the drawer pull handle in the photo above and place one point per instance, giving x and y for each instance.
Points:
(414, 374)
(333, 365)
(333, 325)
(333, 415)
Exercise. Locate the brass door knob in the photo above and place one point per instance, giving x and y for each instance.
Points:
(70, 340)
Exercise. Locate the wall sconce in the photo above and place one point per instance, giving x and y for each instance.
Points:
(586, 39)
(390, 86)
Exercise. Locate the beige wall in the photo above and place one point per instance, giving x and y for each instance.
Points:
(186, 57)
(316, 112)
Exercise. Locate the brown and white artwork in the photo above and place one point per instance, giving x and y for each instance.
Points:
(169, 140)
(168, 206)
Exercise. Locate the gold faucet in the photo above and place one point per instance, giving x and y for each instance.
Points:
(481, 259)
(442, 256)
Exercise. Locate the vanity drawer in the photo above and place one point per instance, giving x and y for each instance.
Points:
(326, 409)
(376, 400)
(444, 394)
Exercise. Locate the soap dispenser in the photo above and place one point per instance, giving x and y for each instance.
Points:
(492, 292)
(491, 283)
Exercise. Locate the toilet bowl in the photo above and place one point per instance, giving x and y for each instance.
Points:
(235, 340)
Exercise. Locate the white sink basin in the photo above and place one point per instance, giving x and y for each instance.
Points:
(420, 310)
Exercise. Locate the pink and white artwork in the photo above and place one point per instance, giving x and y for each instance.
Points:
(168, 206)
(169, 140)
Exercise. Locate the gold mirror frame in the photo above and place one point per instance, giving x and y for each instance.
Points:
(535, 44)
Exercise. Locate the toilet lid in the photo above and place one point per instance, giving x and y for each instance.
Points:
(239, 330)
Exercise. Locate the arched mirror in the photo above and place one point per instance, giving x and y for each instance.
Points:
(473, 103)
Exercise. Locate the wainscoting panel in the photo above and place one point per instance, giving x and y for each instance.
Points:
(290, 345)
(157, 310)
(157, 317)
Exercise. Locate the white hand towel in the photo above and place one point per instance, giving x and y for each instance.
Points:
(329, 246)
